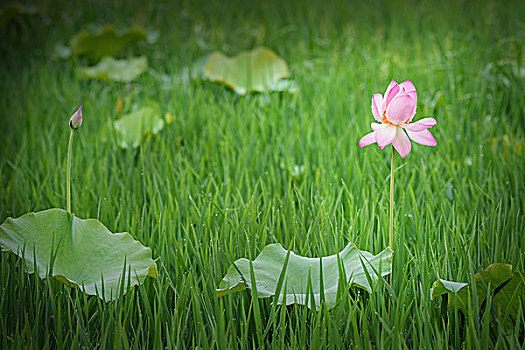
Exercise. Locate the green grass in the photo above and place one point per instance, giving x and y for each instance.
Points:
(217, 183)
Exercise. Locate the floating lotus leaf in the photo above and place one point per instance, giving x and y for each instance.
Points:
(78, 252)
(132, 127)
(267, 267)
(506, 287)
(257, 70)
(105, 42)
(111, 69)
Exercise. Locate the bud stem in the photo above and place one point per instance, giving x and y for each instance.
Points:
(68, 172)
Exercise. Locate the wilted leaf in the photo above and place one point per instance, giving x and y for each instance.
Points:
(111, 69)
(132, 127)
(80, 253)
(506, 287)
(105, 42)
(267, 267)
(257, 70)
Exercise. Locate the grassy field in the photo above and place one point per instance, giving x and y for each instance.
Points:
(219, 183)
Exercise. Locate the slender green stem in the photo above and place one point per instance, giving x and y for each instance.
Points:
(68, 172)
(391, 230)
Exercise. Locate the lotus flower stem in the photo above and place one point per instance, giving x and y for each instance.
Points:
(68, 172)
(391, 229)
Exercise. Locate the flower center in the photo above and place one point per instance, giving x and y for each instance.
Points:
(386, 121)
(383, 118)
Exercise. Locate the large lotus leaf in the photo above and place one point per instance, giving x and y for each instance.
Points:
(110, 69)
(256, 70)
(268, 265)
(132, 127)
(105, 42)
(77, 252)
(506, 287)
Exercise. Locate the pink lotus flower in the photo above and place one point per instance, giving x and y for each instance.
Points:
(394, 110)
(76, 119)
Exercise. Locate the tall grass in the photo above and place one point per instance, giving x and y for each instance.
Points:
(218, 183)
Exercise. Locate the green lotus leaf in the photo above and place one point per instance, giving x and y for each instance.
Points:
(81, 253)
(301, 280)
(257, 70)
(110, 69)
(106, 41)
(505, 286)
(132, 127)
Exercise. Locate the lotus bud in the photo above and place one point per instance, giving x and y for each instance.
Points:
(76, 119)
